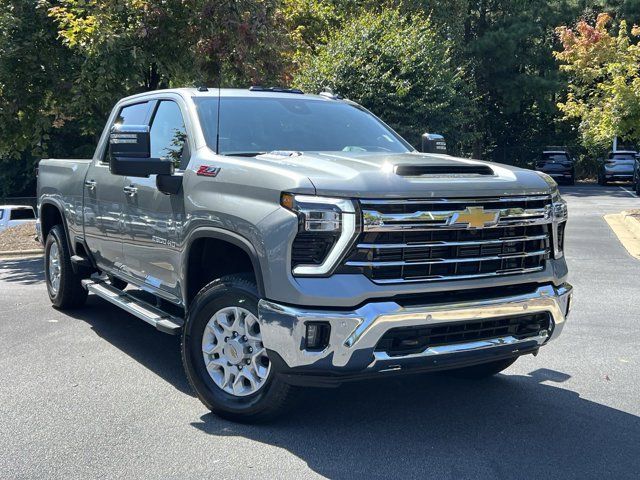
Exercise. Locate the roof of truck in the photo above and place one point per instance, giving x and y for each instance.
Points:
(272, 92)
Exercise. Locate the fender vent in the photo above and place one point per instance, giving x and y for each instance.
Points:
(442, 170)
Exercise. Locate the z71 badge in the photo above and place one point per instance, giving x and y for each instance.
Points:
(207, 171)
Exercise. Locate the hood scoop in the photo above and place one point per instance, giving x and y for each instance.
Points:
(442, 170)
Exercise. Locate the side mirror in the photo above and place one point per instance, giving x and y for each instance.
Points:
(433, 143)
(130, 154)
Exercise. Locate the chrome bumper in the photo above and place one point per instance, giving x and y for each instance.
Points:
(355, 334)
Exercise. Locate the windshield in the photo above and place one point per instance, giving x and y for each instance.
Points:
(250, 126)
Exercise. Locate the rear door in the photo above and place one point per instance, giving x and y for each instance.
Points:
(155, 220)
(104, 199)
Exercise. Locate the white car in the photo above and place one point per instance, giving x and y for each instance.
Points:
(12, 215)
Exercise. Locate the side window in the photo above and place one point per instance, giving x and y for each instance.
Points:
(22, 214)
(133, 114)
(168, 134)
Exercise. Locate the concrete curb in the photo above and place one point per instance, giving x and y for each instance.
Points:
(21, 253)
(631, 222)
(630, 239)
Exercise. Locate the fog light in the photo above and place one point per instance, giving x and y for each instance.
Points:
(317, 337)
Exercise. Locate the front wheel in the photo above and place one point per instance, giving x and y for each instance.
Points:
(63, 284)
(224, 358)
(637, 186)
(484, 370)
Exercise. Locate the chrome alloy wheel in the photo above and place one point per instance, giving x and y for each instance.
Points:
(233, 351)
(54, 268)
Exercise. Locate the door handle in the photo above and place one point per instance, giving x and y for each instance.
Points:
(130, 191)
(90, 184)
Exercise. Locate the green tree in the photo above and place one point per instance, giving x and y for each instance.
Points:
(397, 66)
(604, 80)
(137, 45)
(36, 79)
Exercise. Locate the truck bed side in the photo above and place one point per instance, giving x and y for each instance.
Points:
(61, 186)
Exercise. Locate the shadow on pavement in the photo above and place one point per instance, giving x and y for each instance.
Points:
(155, 350)
(27, 271)
(432, 426)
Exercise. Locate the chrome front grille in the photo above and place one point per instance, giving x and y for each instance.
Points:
(449, 239)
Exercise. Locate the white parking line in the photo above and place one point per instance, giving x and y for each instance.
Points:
(629, 192)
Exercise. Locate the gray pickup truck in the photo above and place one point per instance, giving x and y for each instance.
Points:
(296, 240)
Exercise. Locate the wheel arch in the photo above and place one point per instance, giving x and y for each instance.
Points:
(209, 237)
(49, 215)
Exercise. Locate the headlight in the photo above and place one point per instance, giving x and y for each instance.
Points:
(559, 214)
(326, 227)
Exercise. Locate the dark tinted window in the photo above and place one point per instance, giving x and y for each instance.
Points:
(22, 214)
(266, 124)
(133, 114)
(556, 157)
(168, 133)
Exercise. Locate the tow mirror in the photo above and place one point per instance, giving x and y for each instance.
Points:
(433, 143)
(130, 154)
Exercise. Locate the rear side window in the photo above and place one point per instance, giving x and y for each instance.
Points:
(168, 134)
(133, 114)
(22, 214)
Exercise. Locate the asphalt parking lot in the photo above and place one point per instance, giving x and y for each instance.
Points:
(99, 394)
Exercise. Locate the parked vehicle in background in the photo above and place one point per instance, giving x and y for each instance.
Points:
(14, 215)
(296, 240)
(558, 164)
(618, 166)
(636, 175)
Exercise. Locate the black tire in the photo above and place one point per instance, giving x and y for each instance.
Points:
(572, 179)
(637, 186)
(69, 292)
(484, 370)
(602, 180)
(271, 399)
(117, 283)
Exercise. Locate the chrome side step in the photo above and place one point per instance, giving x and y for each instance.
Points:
(154, 316)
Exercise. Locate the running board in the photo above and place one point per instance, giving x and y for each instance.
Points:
(154, 316)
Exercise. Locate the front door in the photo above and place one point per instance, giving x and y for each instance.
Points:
(104, 199)
(154, 220)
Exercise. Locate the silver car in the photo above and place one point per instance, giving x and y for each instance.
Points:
(617, 166)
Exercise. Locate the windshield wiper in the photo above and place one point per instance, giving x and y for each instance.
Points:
(242, 154)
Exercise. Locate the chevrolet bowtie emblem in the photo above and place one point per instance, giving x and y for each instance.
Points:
(474, 217)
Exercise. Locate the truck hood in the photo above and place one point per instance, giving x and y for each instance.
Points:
(417, 175)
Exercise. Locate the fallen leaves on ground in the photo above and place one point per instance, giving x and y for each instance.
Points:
(21, 237)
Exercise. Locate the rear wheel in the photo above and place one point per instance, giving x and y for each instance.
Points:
(63, 284)
(484, 370)
(637, 186)
(602, 180)
(224, 357)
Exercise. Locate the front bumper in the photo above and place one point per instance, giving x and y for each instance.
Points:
(355, 333)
